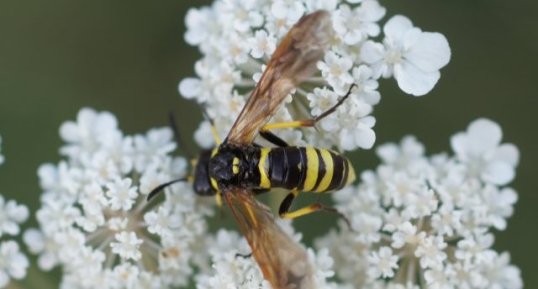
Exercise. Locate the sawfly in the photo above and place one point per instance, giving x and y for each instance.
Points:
(237, 169)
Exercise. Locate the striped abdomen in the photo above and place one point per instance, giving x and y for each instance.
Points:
(304, 169)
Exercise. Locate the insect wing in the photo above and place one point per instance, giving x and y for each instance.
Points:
(293, 62)
(284, 263)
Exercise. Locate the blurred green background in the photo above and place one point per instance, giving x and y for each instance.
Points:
(127, 57)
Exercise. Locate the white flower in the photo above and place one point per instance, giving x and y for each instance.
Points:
(355, 25)
(407, 235)
(481, 150)
(199, 25)
(383, 263)
(366, 86)
(121, 195)
(162, 222)
(406, 155)
(237, 37)
(203, 136)
(13, 263)
(438, 278)
(369, 226)
(262, 44)
(153, 147)
(414, 57)
(430, 252)
(447, 220)
(38, 244)
(499, 273)
(336, 69)
(229, 270)
(419, 217)
(127, 246)
(99, 227)
(91, 131)
(320, 101)
(11, 215)
(290, 10)
(241, 14)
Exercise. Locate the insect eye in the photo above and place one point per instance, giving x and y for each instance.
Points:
(235, 165)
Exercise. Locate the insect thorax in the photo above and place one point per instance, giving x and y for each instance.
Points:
(235, 166)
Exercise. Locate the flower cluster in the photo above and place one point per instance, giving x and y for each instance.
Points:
(236, 38)
(425, 222)
(13, 263)
(94, 219)
(230, 270)
(96, 224)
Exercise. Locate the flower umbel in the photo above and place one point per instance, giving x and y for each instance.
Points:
(427, 221)
(13, 263)
(232, 270)
(95, 221)
(229, 69)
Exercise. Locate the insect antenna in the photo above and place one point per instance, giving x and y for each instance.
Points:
(161, 187)
(340, 101)
(177, 136)
(214, 132)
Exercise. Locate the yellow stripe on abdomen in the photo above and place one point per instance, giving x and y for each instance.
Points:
(263, 167)
(351, 173)
(312, 169)
(329, 170)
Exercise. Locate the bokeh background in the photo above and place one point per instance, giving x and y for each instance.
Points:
(127, 57)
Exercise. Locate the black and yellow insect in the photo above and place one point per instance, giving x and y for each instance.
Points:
(237, 168)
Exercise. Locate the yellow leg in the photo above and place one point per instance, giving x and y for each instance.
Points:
(216, 137)
(215, 134)
(287, 202)
(302, 212)
(289, 124)
(307, 122)
(218, 199)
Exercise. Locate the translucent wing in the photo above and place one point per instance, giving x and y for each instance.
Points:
(293, 61)
(284, 263)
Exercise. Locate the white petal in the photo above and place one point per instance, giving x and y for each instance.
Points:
(396, 27)
(368, 121)
(507, 153)
(47, 261)
(371, 11)
(486, 134)
(413, 80)
(498, 173)
(372, 52)
(388, 152)
(190, 87)
(365, 137)
(458, 143)
(430, 51)
(203, 135)
(69, 132)
(4, 279)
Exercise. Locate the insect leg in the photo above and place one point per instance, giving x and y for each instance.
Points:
(273, 138)
(214, 132)
(218, 198)
(307, 122)
(244, 256)
(177, 136)
(285, 213)
(161, 187)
